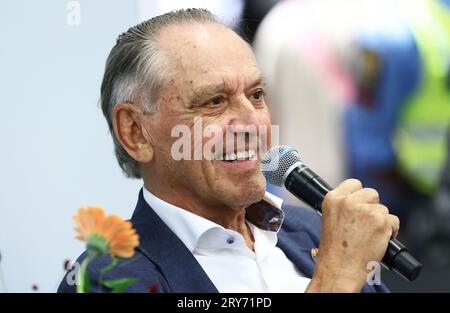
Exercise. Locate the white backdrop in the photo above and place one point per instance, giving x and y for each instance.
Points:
(56, 153)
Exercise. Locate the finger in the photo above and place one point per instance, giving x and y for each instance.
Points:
(366, 195)
(395, 224)
(377, 207)
(347, 187)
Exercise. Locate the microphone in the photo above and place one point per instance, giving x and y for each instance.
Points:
(282, 166)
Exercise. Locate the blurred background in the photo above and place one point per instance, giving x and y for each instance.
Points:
(360, 87)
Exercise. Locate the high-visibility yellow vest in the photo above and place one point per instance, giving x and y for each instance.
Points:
(420, 138)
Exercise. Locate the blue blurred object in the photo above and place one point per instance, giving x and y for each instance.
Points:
(371, 121)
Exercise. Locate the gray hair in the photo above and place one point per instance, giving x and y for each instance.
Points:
(137, 68)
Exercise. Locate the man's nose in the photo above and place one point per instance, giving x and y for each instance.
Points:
(244, 113)
(243, 126)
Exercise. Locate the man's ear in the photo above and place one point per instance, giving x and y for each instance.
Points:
(131, 133)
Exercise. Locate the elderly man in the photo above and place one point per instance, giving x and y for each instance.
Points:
(207, 224)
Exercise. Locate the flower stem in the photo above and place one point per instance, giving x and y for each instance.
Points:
(107, 269)
(83, 283)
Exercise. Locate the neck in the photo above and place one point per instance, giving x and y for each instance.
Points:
(229, 218)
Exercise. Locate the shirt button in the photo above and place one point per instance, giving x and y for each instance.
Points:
(230, 240)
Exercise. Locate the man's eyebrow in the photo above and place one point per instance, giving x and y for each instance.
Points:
(202, 93)
(207, 90)
(257, 82)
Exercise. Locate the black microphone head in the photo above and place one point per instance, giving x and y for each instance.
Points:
(278, 162)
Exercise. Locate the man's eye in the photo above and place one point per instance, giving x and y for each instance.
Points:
(216, 101)
(257, 96)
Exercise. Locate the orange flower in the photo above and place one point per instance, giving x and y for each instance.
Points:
(106, 234)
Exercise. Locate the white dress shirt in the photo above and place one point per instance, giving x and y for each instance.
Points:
(224, 255)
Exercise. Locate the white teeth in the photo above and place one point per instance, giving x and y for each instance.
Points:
(240, 155)
(230, 156)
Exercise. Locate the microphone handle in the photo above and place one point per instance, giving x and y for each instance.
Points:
(311, 189)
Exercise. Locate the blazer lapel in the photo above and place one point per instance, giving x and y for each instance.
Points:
(298, 246)
(298, 243)
(158, 243)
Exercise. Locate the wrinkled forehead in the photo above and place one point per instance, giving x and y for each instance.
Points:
(207, 51)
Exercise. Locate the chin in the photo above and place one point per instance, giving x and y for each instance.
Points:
(248, 194)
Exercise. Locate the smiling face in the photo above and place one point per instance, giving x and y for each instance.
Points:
(216, 80)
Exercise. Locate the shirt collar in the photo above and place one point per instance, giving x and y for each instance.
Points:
(189, 227)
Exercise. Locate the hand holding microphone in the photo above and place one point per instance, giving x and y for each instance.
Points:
(356, 228)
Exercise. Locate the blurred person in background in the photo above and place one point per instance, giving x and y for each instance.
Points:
(437, 223)
(420, 135)
(370, 77)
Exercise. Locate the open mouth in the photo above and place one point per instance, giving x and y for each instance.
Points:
(232, 157)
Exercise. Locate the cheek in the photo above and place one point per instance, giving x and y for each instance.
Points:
(162, 134)
(169, 126)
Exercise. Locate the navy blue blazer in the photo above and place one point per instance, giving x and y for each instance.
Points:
(162, 260)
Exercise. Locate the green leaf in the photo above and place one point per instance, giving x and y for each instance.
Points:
(119, 285)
